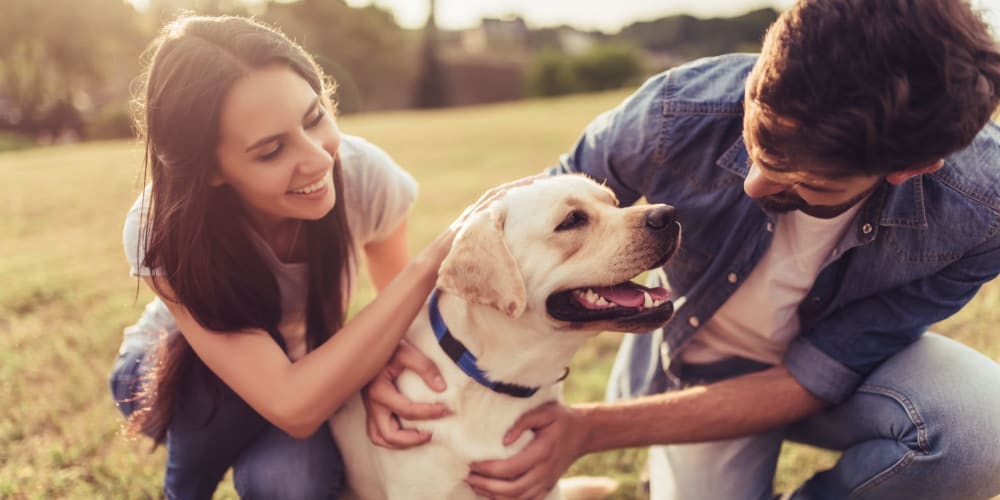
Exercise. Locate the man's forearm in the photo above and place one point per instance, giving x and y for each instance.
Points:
(731, 408)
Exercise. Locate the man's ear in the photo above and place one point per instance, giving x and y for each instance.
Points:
(480, 267)
(902, 176)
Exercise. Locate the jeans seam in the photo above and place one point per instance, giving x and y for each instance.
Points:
(883, 476)
(922, 442)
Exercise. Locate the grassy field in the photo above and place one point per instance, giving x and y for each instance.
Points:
(65, 293)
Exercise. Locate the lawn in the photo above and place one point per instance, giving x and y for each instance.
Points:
(65, 293)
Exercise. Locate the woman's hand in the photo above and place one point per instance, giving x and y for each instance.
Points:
(385, 404)
(442, 244)
(492, 195)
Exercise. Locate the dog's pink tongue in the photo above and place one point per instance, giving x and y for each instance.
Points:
(631, 295)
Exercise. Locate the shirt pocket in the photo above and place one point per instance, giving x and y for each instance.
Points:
(686, 267)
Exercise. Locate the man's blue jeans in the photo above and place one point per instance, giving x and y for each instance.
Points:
(925, 425)
(205, 440)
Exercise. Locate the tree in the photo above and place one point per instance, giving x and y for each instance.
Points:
(54, 53)
(603, 67)
(361, 48)
(430, 87)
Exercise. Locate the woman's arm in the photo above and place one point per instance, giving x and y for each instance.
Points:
(386, 258)
(298, 397)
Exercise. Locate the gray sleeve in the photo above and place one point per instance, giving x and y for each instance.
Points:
(382, 191)
(132, 237)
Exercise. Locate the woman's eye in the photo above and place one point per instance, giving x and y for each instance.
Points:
(574, 219)
(272, 154)
(316, 121)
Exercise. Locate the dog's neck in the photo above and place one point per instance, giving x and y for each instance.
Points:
(522, 352)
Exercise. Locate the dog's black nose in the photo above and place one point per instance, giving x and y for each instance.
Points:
(661, 217)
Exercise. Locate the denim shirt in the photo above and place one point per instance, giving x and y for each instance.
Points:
(914, 254)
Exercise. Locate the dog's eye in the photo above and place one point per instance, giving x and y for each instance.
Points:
(573, 220)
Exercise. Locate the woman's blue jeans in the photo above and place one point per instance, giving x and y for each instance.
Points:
(924, 425)
(202, 445)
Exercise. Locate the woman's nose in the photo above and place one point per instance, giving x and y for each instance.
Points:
(317, 155)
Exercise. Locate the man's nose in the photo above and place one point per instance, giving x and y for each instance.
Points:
(758, 186)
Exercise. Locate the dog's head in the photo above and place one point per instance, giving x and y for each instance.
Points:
(561, 247)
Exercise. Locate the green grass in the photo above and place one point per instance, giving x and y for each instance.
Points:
(65, 293)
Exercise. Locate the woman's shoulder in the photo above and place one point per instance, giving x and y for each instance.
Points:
(133, 232)
(379, 191)
(356, 150)
(367, 167)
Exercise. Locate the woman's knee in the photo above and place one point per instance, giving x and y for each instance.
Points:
(280, 467)
(126, 381)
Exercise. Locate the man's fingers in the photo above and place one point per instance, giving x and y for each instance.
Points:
(526, 460)
(515, 488)
(538, 417)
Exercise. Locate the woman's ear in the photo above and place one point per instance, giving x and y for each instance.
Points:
(897, 178)
(216, 180)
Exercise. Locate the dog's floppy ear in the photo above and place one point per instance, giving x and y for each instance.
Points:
(480, 267)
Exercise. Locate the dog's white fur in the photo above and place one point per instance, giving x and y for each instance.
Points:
(504, 264)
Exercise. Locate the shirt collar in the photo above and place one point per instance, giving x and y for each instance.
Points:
(900, 206)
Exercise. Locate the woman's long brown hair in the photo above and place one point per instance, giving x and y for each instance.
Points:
(197, 234)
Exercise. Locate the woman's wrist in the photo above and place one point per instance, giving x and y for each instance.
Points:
(429, 259)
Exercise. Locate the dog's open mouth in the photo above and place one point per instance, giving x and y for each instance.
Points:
(626, 300)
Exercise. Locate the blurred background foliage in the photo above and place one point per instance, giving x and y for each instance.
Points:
(68, 68)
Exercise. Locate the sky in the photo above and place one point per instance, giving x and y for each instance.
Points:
(605, 15)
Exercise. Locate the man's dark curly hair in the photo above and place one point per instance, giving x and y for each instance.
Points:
(871, 86)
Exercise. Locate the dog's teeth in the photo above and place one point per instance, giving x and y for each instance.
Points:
(648, 302)
(601, 301)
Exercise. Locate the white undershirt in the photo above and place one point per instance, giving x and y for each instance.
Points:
(760, 318)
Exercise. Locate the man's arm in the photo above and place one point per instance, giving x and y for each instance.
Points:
(736, 407)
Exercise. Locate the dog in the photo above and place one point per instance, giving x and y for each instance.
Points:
(526, 282)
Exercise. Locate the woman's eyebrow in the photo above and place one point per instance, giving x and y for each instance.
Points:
(270, 138)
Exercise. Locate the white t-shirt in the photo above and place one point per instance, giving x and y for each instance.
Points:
(378, 195)
(760, 318)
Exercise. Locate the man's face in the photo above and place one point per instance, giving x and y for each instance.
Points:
(808, 188)
(781, 191)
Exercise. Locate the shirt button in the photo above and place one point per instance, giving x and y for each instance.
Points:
(770, 227)
(693, 321)
(867, 228)
(733, 278)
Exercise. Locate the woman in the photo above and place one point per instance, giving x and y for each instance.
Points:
(249, 234)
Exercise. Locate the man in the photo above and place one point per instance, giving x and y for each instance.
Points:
(839, 195)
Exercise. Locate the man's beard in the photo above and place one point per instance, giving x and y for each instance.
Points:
(786, 202)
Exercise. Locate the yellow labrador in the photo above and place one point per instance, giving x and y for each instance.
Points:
(527, 281)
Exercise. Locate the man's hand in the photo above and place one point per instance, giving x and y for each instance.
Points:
(385, 404)
(560, 434)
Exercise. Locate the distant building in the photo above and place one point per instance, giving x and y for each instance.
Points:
(497, 35)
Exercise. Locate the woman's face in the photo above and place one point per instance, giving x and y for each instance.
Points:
(277, 147)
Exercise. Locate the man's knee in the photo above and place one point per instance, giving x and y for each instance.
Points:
(948, 392)
(935, 402)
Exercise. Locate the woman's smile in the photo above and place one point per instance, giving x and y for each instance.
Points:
(316, 189)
